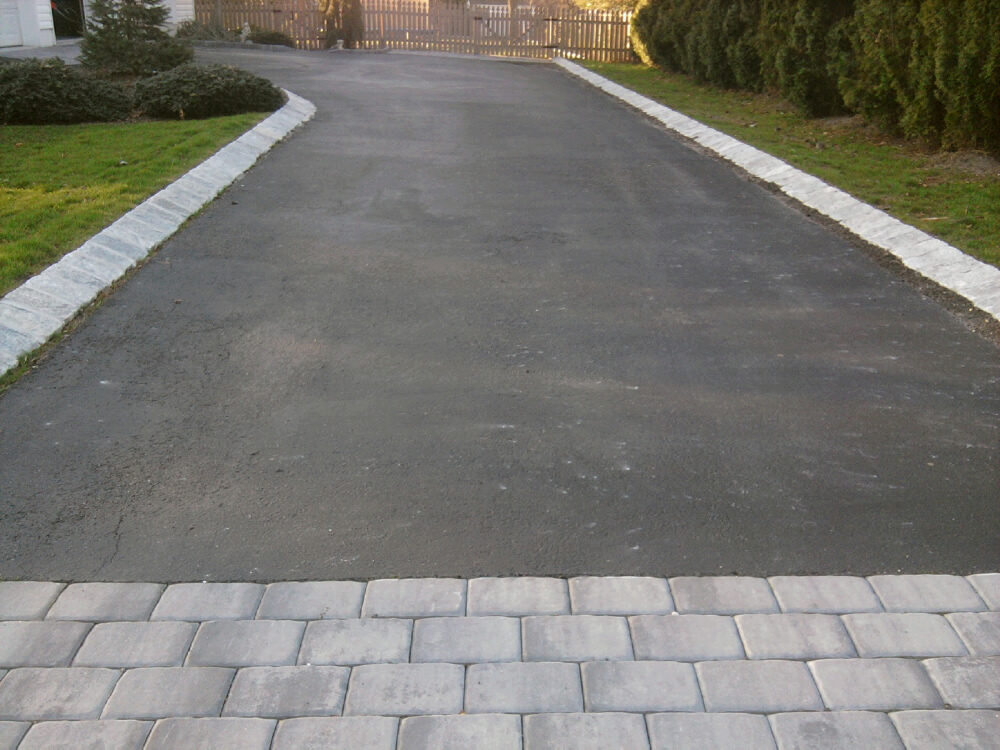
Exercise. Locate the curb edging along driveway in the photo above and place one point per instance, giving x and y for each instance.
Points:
(41, 306)
(930, 257)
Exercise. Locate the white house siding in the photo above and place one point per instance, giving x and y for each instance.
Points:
(10, 24)
(180, 10)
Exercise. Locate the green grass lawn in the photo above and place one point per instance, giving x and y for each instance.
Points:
(953, 196)
(61, 184)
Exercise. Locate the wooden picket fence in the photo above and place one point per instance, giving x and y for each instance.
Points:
(539, 30)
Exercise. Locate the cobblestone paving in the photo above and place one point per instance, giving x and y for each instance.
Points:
(788, 662)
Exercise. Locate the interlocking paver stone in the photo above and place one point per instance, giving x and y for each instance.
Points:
(824, 594)
(102, 602)
(585, 731)
(27, 600)
(722, 595)
(337, 733)
(758, 686)
(519, 687)
(576, 638)
(95, 733)
(794, 636)
(640, 686)
(926, 593)
(136, 644)
(709, 732)
(622, 595)
(685, 637)
(903, 634)
(246, 643)
(933, 730)
(314, 600)
(211, 734)
(161, 692)
(466, 640)
(987, 585)
(40, 644)
(282, 692)
(11, 733)
(209, 601)
(838, 730)
(979, 630)
(874, 684)
(970, 682)
(518, 597)
(415, 597)
(405, 689)
(58, 693)
(482, 731)
(351, 642)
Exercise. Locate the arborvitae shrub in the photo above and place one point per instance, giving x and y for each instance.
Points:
(195, 91)
(126, 37)
(48, 92)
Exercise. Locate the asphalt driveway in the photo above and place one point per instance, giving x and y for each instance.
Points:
(475, 318)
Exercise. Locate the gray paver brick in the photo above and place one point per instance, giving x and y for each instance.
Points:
(337, 733)
(987, 585)
(903, 634)
(979, 630)
(466, 640)
(282, 692)
(874, 684)
(482, 731)
(356, 642)
(723, 595)
(136, 644)
(519, 687)
(11, 733)
(758, 686)
(576, 638)
(926, 593)
(621, 595)
(58, 693)
(794, 636)
(824, 594)
(161, 692)
(211, 734)
(246, 643)
(415, 597)
(40, 644)
(405, 689)
(970, 682)
(585, 731)
(27, 600)
(96, 733)
(518, 597)
(209, 601)
(839, 730)
(685, 637)
(709, 732)
(640, 686)
(933, 730)
(313, 600)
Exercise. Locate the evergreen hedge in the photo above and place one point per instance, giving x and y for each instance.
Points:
(193, 91)
(927, 69)
(42, 92)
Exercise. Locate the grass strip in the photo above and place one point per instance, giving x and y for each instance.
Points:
(955, 197)
(61, 184)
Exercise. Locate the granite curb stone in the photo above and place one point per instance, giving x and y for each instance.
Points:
(981, 289)
(110, 733)
(337, 733)
(82, 274)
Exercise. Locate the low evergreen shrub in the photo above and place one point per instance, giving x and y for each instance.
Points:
(267, 36)
(192, 30)
(195, 91)
(48, 92)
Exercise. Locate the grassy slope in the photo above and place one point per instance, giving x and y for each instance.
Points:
(925, 190)
(61, 184)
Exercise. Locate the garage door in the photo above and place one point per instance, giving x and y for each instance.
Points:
(10, 24)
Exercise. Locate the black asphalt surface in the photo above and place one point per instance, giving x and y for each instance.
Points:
(475, 318)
